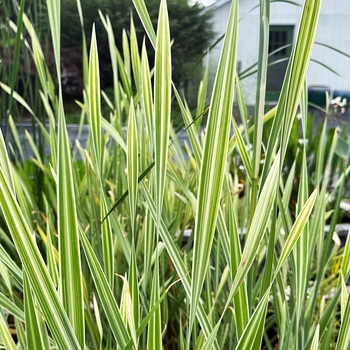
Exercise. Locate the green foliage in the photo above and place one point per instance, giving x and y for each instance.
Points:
(139, 242)
(190, 28)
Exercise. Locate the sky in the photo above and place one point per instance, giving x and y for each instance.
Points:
(205, 2)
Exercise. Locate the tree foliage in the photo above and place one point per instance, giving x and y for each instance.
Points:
(190, 25)
(191, 30)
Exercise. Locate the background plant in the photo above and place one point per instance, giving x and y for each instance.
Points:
(191, 32)
(182, 260)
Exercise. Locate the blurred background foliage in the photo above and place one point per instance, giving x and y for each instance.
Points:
(191, 32)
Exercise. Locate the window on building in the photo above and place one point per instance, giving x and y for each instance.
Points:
(280, 40)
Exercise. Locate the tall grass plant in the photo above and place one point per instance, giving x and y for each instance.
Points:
(139, 242)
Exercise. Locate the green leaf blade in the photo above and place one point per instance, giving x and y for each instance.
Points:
(214, 159)
(69, 250)
(162, 102)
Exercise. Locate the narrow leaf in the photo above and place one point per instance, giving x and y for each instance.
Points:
(162, 102)
(69, 250)
(105, 294)
(214, 159)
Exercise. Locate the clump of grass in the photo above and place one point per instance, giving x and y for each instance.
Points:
(100, 260)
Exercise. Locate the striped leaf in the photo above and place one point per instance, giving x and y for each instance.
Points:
(297, 228)
(162, 103)
(32, 327)
(315, 340)
(178, 263)
(293, 81)
(154, 337)
(69, 250)
(345, 265)
(54, 12)
(95, 98)
(214, 159)
(343, 341)
(39, 278)
(6, 336)
(7, 304)
(247, 339)
(146, 20)
(147, 97)
(259, 222)
(132, 164)
(105, 294)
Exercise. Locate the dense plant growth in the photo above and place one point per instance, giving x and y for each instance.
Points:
(191, 32)
(190, 29)
(139, 242)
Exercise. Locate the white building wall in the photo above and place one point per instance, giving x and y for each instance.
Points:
(220, 17)
(333, 30)
(248, 42)
(248, 45)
